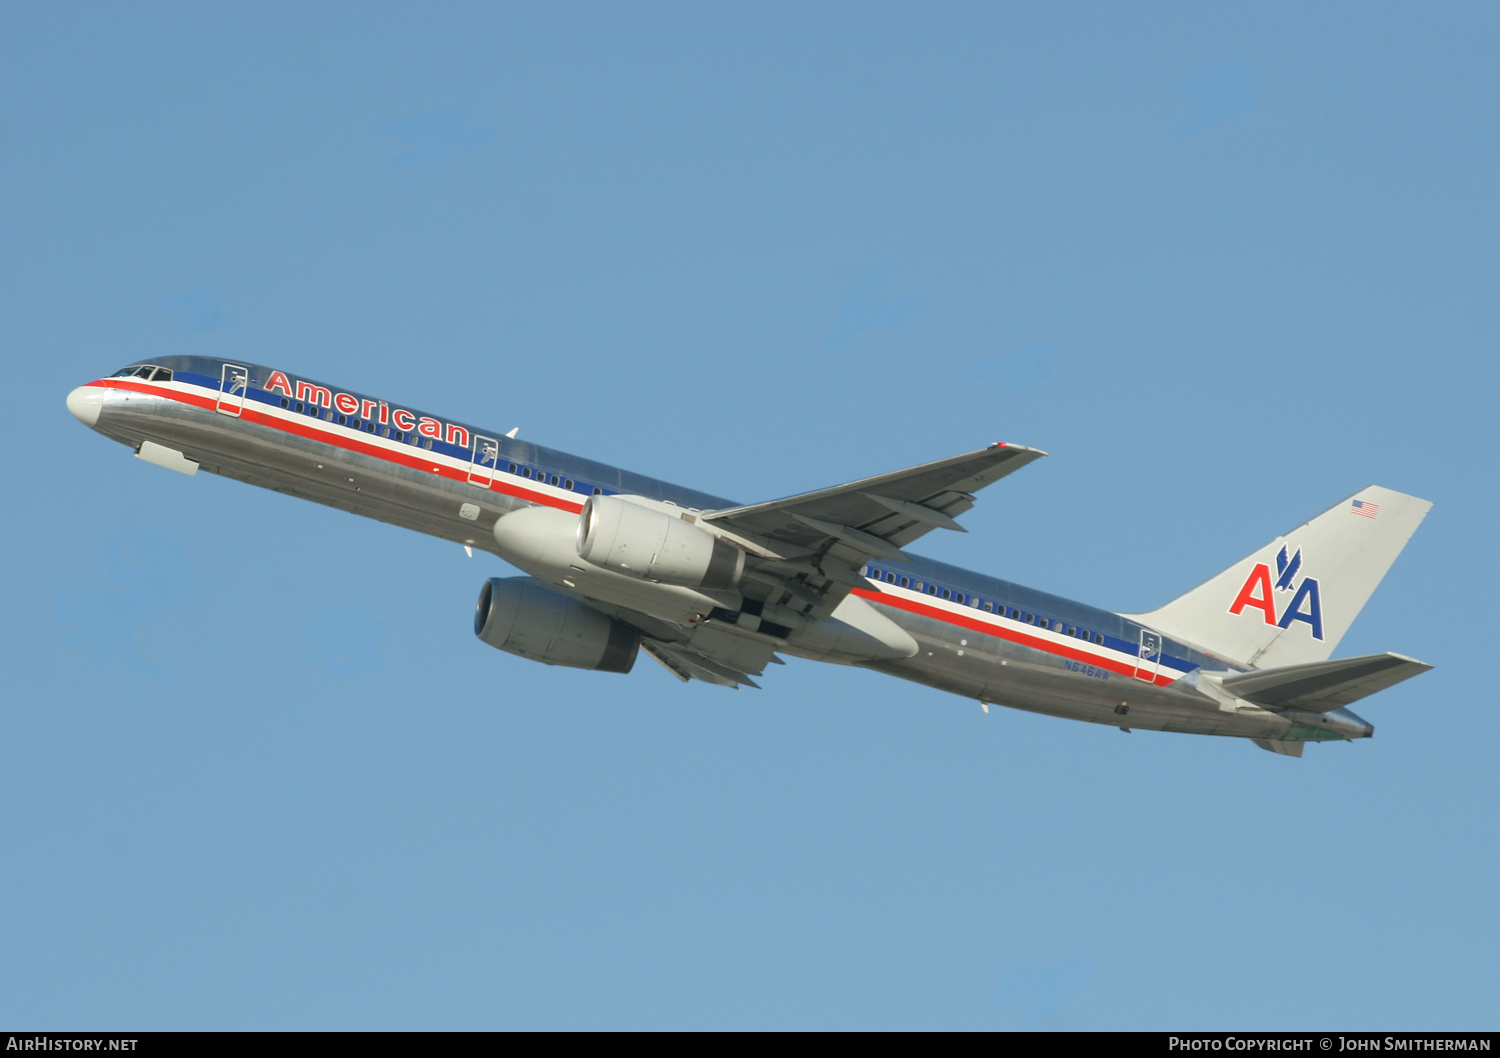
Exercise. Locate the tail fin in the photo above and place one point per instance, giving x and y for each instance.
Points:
(1292, 601)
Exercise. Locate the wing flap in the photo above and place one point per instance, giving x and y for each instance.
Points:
(1320, 686)
(874, 516)
(714, 655)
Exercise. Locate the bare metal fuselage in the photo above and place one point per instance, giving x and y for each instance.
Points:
(961, 649)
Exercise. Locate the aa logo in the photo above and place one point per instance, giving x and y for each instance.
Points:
(1258, 594)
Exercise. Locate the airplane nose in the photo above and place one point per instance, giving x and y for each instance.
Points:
(85, 402)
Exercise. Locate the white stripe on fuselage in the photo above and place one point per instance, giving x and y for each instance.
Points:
(411, 452)
(998, 625)
(1008, 625)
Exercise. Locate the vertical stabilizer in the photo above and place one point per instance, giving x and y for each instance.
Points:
(1292, 601)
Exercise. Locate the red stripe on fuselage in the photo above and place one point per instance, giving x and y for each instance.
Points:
(304, 428)
(1014, 636)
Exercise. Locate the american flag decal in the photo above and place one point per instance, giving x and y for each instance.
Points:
(1366, 508)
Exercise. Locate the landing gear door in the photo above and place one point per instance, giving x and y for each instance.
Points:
(1148, 663)
(485, 458)
(233, 383)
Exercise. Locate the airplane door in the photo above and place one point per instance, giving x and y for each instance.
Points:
(1149, 660)
(484, 460)
(232, 385)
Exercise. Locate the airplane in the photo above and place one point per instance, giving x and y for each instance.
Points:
(621, 564)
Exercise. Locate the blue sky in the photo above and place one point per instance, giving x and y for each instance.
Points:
(1227, 264)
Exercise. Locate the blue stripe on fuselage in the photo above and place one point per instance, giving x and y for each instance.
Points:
(1120, 634)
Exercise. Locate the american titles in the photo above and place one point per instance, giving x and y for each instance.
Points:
(364, 408)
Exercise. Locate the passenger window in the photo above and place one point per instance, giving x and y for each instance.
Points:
(568, 484)
(945, 593)
(890, 578)
(1072, 631)
(341, 420)
(554, 479)
(427, 444)
(932, 589)
(512, 468)
(974, 601)
(989, 607)
(598, 491)
(526, 472)
(385, 431)
(285, 403)
(1099, 638)
(905, 582)
(958, 597)
(1031, 619)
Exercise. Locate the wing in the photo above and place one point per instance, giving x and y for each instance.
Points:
(804, 555)
(817, 542)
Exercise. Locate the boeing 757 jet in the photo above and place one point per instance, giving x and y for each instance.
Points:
(620, 564)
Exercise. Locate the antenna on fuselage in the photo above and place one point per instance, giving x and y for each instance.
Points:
(513, 431)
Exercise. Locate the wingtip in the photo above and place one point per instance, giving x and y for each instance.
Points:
(1020, 448)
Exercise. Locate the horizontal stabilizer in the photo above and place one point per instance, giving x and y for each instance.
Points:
(1286, 749)
(1319, 686)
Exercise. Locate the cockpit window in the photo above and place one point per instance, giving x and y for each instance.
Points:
(145, 371)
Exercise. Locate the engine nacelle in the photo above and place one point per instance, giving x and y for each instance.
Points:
(521, 617)
(640, 542)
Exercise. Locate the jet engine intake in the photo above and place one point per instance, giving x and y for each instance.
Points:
(640, 542)
(519, 616)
